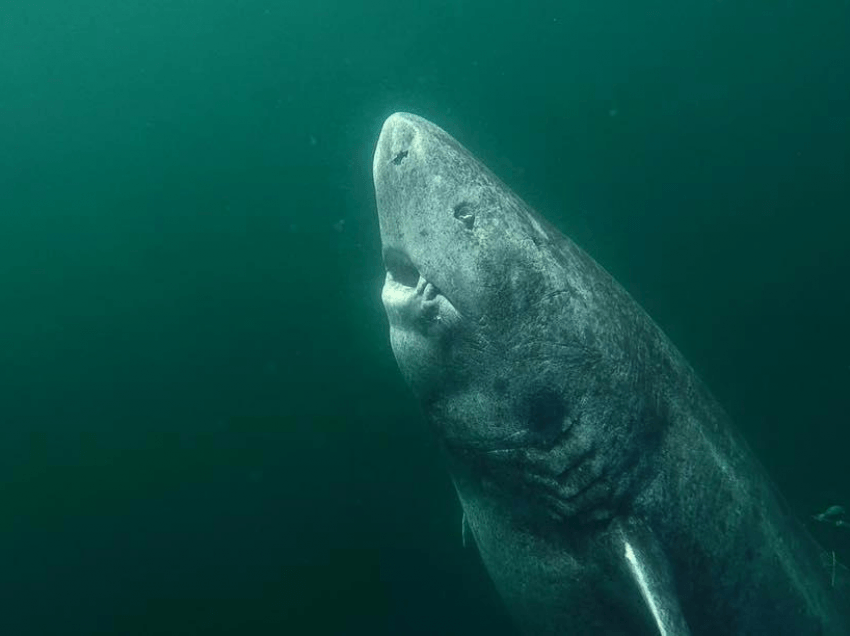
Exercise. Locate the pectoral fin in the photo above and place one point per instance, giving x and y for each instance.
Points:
(650, 572)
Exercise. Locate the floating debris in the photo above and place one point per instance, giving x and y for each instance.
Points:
(834, 516)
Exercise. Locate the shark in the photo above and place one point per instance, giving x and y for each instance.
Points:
(606, 490)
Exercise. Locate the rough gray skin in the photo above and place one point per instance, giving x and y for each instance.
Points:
(605, 488)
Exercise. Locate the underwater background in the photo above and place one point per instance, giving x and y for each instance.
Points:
(202, 426)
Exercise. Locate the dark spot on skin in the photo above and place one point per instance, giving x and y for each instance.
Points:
(500, 386)
(546, 413)
(463, 213)
(399, 157)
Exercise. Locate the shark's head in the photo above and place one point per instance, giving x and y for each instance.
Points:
(498, 322)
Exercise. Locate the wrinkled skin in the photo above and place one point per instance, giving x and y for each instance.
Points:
(604, 487)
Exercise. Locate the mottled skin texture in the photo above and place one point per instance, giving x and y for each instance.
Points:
(575, 432)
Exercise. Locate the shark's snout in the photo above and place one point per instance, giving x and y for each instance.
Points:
(426, 208)
(397, 143)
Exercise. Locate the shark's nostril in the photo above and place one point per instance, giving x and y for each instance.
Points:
(401, 269)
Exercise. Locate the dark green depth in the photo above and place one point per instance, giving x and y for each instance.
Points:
(202, 429)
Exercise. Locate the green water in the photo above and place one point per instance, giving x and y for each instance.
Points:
(202, 428)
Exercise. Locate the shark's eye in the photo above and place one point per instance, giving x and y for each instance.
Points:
(464, 213)
(401, 269)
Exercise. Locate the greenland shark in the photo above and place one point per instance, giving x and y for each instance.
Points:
(606, 490)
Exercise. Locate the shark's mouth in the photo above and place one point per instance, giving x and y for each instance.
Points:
(409, 295)
(401, 268)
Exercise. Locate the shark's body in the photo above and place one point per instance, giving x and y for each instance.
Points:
(606, 490)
